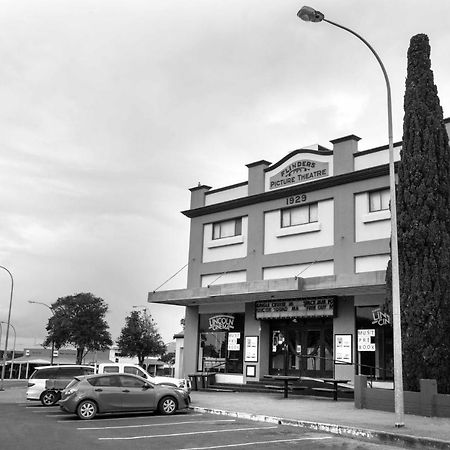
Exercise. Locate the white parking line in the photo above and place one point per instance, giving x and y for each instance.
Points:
(152, 416)
(183, 434)
(259, 443)
(155, 424)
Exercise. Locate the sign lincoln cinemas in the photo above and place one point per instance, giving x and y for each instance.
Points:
(299, 171)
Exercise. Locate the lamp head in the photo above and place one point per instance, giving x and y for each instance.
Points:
(309, 14)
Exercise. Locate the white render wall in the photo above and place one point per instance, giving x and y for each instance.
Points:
(375, 159)
(371, 263)
(370, 225)
(226, 195)
(318, 269)
(225, 248)
(299, 237)
(225, 278)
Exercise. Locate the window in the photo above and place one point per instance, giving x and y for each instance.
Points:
(379, 200)
(134, 371)
(111, 369)
(131, 382)
(221, 343)
(105, 381)
(299, 216)
(227, 228)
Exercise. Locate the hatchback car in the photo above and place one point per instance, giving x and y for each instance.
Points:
(47, 382)
(96, 394)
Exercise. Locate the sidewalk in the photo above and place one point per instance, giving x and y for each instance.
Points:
(323, 414)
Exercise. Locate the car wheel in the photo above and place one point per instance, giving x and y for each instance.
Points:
(167, 405)
(87, 410)
(49, 398)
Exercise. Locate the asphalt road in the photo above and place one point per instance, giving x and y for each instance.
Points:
(31, 426)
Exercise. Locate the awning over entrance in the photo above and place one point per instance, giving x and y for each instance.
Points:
(283, 288)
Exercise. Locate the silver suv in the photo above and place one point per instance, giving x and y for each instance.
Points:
(47, 382)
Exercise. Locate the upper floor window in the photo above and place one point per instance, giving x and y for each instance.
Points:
(227, 228)
(379, 200)
(299, 216)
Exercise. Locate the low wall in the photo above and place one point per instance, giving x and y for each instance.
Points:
(426, 402)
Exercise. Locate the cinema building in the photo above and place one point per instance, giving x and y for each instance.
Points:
(287, 269)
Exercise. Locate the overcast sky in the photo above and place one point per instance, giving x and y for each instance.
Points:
(111, 109)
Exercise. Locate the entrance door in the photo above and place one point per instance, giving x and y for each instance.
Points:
(317, 352)
(303, 348)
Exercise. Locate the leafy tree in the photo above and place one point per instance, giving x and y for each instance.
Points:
(79, 320)
(139, 337)
(168, 358)
(423, 203)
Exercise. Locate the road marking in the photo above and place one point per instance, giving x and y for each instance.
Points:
(183, 434)
(258, 443)
(102, 418)
(155, 424)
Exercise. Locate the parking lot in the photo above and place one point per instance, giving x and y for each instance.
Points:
(32, 426)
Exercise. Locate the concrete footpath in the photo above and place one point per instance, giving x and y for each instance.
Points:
(323, 414)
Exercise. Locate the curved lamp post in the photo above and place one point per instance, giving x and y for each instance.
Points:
(53, 313)
(14, 346)
(7, 328)
(309, 14)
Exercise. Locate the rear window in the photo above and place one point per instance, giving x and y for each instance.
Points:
(70, 372)
(72, 383)
(110, 369)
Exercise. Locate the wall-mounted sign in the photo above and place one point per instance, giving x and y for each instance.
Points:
(222, 322)
(305, 307)
(251, 349)
(299, 171)
(380, 318)
(343, 350)
(365, 343)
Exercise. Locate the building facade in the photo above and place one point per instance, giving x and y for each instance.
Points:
(287, 269)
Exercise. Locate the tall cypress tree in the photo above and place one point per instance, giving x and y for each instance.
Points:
(423, 208)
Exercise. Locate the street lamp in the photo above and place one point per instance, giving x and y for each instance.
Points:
(7, 328)
(14, 346)
(309, 14)
(53, 313)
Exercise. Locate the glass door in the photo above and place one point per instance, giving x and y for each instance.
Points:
(303, 348)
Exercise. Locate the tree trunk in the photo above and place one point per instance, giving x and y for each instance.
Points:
(80, 352)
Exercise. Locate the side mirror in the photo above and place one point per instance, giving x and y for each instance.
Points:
(147, 386)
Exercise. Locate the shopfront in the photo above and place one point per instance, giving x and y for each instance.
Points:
(374, 342)
(301, 335)
(221, 343)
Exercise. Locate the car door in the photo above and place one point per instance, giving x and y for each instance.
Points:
(137, 394)
(107, 392)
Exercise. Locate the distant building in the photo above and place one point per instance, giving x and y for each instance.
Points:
(287, 269)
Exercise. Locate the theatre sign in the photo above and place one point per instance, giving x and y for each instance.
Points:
(292, 308)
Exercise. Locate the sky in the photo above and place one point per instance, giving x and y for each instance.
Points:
(110, 110)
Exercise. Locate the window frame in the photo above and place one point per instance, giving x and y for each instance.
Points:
(289, 210)
(217, 225)
(379, 192)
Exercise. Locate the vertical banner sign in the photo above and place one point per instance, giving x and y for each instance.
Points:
(251, 349)
(343, 348)
(365, 343)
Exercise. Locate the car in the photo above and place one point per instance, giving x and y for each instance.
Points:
(182, 383)
(90, 395)
(47, 382)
